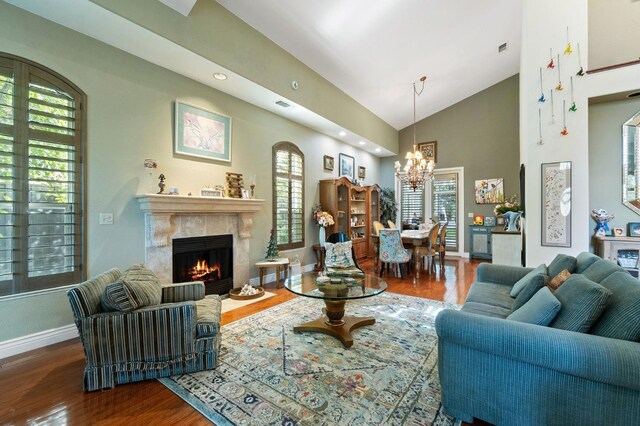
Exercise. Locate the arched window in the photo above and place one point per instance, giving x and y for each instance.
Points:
(288, 195)
(41, 178)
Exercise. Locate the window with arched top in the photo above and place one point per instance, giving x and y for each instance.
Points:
(41, 178)
(288, 195)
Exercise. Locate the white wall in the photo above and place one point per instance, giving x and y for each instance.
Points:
(545, 25)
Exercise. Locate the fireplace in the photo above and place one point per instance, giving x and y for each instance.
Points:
(208, 259)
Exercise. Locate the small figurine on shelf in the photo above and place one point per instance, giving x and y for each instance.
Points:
(272, 249)
(161, 184)
(602, 218)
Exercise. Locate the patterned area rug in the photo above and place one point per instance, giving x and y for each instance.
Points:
(269, 375)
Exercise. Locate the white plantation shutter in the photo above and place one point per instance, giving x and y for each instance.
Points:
(411, 203)
(445, 205)
(41, 179)
(288, 195)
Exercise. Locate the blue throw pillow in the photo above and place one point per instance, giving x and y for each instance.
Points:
(560, 263)
(583, 301)
(621, 319)
(541, 309)
(522, 282)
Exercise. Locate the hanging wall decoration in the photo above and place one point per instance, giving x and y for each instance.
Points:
(540, 142)
(559, 86)
(551, 65)
(564, 131)
(541, 98)
(489, 191)
(556, 204)
(568, 50)
(553, 113)
(580, 72)
(573, 107)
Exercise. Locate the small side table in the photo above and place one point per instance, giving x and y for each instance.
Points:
(279, 265)
(319, 252)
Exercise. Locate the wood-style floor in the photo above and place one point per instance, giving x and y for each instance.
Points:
(44, 386)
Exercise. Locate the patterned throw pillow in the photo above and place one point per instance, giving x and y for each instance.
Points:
(558, 280)
(338, 255)
(137, 288)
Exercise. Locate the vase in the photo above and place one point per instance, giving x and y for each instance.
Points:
(322, 239)
(512, 221)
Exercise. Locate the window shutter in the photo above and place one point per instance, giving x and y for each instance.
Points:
(288, 211)
(411, 203)
(41, 179)
(445, 205)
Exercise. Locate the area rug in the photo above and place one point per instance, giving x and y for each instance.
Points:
(229, 304)
(269, 375)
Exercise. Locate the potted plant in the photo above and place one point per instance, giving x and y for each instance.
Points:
(388, 205)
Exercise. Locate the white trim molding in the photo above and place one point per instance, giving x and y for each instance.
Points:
(37, 340)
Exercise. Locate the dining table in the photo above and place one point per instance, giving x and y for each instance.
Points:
(415, 238)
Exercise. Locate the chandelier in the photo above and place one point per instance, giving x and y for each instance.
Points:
(418, 170)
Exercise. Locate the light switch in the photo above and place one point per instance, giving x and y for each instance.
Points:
(106, 218)
(470, 215)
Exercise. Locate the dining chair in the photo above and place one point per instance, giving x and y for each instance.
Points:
(391, 224)
(442, 243)
(430, 251)
(392, 252)
(377, 226)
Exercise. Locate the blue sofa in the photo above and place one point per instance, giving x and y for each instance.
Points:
(514, 373)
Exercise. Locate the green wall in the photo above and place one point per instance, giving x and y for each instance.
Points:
(480, 133)
(130, 117)
(605, 159)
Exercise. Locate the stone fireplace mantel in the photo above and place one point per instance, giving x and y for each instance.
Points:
(160, 209)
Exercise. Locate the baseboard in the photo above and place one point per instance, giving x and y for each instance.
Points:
(270, 278)
(37, 340)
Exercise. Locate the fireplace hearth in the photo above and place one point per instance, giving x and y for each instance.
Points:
(208, 259)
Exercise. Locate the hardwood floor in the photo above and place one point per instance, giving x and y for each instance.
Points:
(44, 386)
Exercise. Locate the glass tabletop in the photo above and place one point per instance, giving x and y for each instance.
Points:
(335, 288)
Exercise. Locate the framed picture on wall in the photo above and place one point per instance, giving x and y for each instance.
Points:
(347, 165)
(327, 163)
(489, 191)
(361, 172)
(202, 133)
(428, 150)
(556, 204)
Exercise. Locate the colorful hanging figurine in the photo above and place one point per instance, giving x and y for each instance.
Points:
(580, 72)
(541, 98)
(559, 86)
(573, 107)
(564, 131)
(553, 114)
(551, 65)
(568, 50)
(540, 142)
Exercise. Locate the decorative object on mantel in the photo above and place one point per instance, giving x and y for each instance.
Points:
(174, 191)
(618, 232)
(602, 218)
(149, 166)
(252, 185)
(247, 292)
(322, 219)
(201, 133)
(418, 170)
(634, 229)
(234, 184)
(272, 248)
(161, 184)
(207, 191)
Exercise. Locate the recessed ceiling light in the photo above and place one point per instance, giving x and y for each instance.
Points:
(362, 143)
(378, 150)
(342, 133)
(219, 76)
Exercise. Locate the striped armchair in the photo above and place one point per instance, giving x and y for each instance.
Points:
(180, 335)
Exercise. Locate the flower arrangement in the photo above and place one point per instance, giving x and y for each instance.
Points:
(322, 218)
(509, 205)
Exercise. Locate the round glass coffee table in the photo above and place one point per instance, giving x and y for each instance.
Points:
(335, 293)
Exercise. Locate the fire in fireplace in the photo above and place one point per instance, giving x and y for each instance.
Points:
(208, 259)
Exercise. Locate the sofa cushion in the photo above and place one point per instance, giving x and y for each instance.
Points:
(557, 281)
(490, 294)
(522, 282)
(486, 310)
(144, 284)
(208, 316)
(117, 297)
(583, 301)
(600, 269)
(338, 255)
(541, 309)
(536, 283)
(584, 260)
(561, 262)
(345, 272)
(621, 319)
